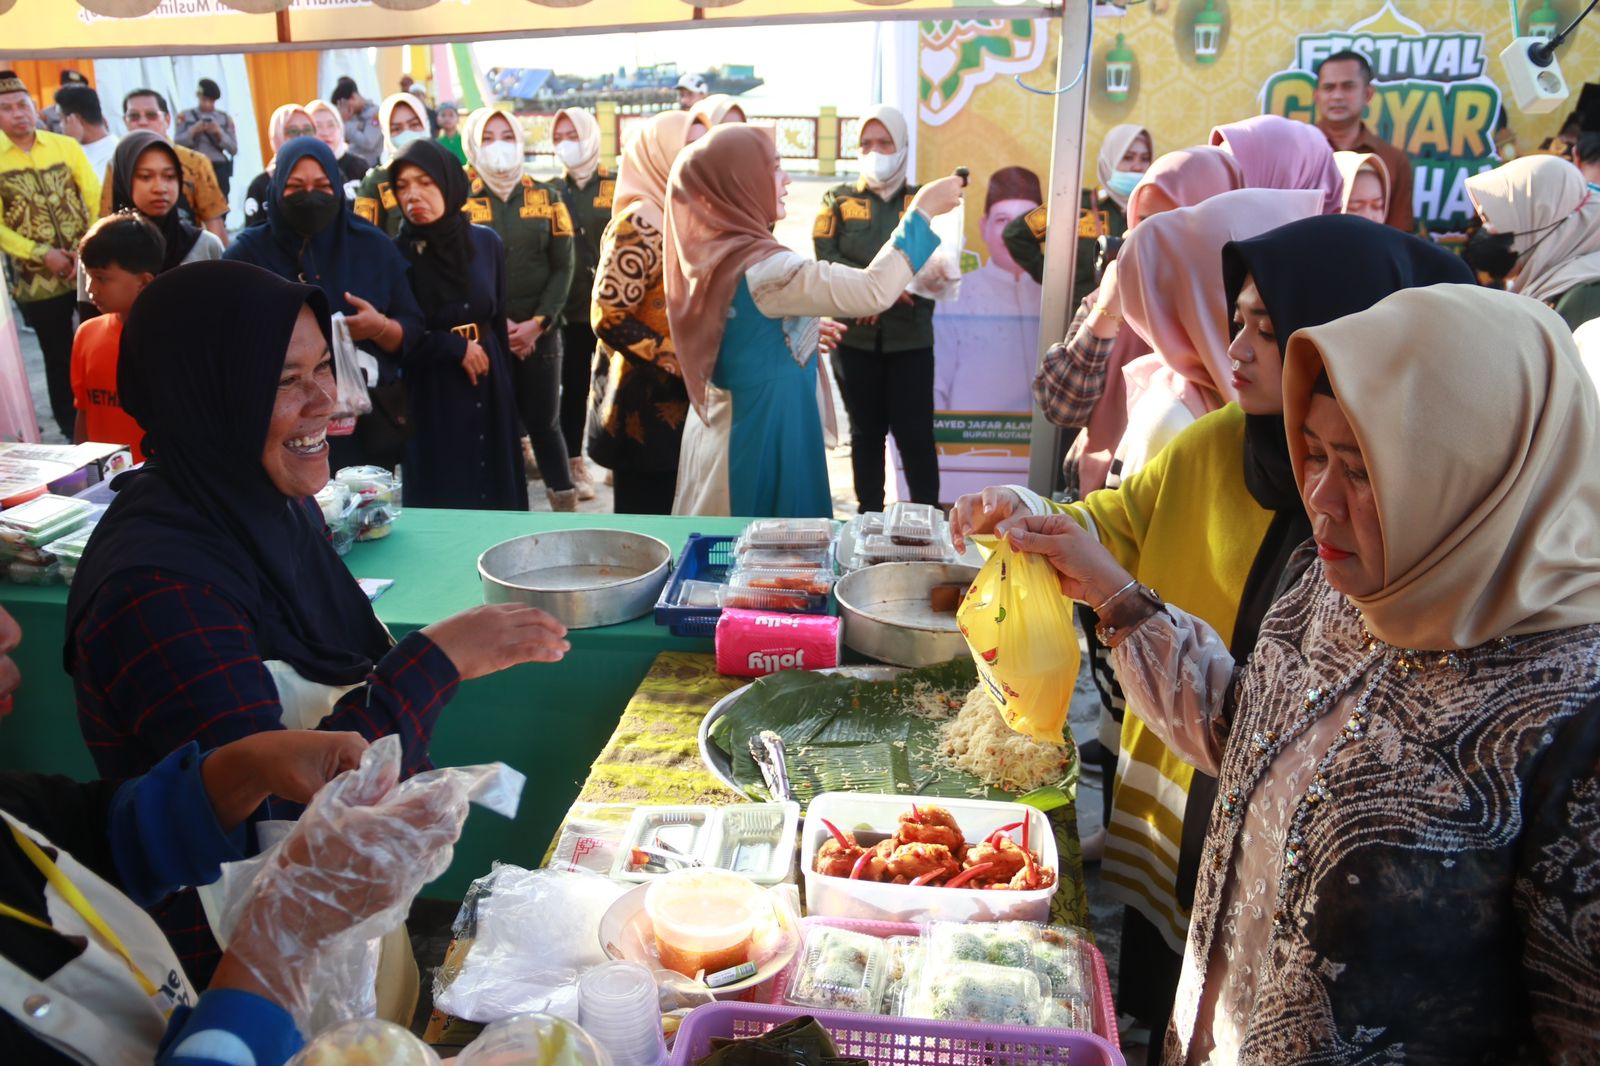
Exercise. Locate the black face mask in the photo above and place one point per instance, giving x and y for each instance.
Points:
(310, 212)
(1489, 253)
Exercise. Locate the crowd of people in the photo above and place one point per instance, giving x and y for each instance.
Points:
(1348, 743)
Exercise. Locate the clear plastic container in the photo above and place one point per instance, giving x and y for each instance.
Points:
(757, 841)
(619, 1007)
(787, 559)
(69, 549)
(704, 920)
(905, 956)
(811, 582)
(797, 533)
(376, 492)
(839, 970)
(980, 993)
(749, 599)
(41, 520)
(1008, 944)
(25, 573)
(880, 548)
(534, 1040)
(912, 523)
(694, 593)
(1059, 956)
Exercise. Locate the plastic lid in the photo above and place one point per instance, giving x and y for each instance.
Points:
(705, 909)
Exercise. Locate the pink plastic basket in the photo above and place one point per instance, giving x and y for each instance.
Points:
(899, 1041)
(1105, 1022)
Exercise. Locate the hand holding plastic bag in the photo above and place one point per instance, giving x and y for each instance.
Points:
(347, 873)
(1019, 627)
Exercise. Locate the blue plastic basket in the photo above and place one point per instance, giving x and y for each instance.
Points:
(705, 558)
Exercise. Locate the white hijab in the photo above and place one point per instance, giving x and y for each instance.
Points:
(895, 123)
(588, 139)
(386, 109)
(501, 184)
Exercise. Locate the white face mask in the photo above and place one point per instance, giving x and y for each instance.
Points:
(400, 140)
(500, 157)
(878, 168)
(570, 153)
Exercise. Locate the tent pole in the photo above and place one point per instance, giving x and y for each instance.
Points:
(1061, 240)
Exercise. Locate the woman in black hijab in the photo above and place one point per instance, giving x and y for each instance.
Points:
(466, 450)
(147, 176)
(210, 604)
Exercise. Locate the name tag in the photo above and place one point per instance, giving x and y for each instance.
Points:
(479, 211)
(386, 196)
(853, 210)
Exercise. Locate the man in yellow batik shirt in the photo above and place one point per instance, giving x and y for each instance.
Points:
(47, 193)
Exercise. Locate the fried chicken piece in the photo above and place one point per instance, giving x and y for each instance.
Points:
(838, 854)
(1006, 858)
(930, 825)
(914, 861)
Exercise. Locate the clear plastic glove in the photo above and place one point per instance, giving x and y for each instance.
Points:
(349, 869)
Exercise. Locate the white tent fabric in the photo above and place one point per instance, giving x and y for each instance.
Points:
(175, 77)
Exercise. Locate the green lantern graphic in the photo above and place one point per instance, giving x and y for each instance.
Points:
(1119, 71)
(1208, 33)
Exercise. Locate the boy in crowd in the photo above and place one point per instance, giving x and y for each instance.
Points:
(122, 254)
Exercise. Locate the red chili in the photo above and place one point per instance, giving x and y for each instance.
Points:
(929, 876)
(844, 841)
(1025, 823)
(916, 815)
(968, 874)
(994, 838)
(861, 865)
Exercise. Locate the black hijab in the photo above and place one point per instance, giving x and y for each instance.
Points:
(202, 353)
(180, 235)
(440, 252)
(1308, 273)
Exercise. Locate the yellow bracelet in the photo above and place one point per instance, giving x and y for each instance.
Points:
(1105, 312)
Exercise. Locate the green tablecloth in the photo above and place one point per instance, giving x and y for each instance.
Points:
(548, 721)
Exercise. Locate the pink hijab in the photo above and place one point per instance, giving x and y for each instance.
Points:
(1188, 176)
(1170, 276)
(1279, 153)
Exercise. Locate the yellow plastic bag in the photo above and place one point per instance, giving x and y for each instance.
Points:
(1019, 627)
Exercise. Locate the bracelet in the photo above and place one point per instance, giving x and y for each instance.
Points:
(1116, 595)
(1104, 311)
(1129, 617)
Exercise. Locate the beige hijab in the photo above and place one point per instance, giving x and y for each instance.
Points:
(1477, 424)
(501, 184)
(895, 123)
(338, 147)
(1352, 163)
(275, 130)
(1169, 274)
(386, 109)
(713, 110)
(1544, 200)
(646, 163)
(588, 139)
(721, 207)
(1118, 140)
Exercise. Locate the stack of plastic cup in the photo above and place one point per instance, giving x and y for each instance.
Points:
(618, 1006)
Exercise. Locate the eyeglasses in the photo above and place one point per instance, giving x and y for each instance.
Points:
(146, 116)
(300, 131)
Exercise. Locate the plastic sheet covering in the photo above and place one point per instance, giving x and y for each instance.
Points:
(305, 916)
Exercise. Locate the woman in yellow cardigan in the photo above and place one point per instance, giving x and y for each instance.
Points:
(1212, 522)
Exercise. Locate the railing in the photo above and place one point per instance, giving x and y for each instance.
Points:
(824, 138)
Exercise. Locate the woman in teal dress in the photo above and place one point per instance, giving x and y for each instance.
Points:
(744, 312)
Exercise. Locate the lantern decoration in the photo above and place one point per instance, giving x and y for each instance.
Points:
(1544, 23)
(1119, 71)
(1208, 33)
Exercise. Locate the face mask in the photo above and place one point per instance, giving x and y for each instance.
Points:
(311, 212)
(878, 168)
(570, 153)
(1123, 182)
(1490, 253)
(500, 157)
(400, 140)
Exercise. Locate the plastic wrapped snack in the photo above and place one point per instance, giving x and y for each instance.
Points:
(694, 593)
(880, 548)
(377, 495)
(811, 582)
(912, 523)
(26, 573)
(1059, 956)
(978, 992)
(794, 533)
(787, 559)
(366, 1042)
(998, 944)
(839, 970)
(40, 521)
(769, 600)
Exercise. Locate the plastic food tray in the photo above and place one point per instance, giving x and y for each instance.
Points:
(756, 840)
(886, 1041)
(1105, 1022)
(840, 897)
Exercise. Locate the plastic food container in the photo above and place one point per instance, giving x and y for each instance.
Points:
(704, 920)
(980, 993)
(25, 573)
(755, 599)
(40, 521)
(786, 559)
(755, 840)
(377, 495)
(881, 548)
(812, 582)
(998, 944)
(912, 523)
(839, 970)
(873, 818)
(792, 533)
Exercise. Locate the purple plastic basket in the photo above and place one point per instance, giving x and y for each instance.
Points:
(899, 1041)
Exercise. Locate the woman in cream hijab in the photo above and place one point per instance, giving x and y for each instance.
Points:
(1401, 861)
(330, 131)
(1541, 207)
(586, 188)
(637, 401)
(1366, 184)
(403, 119)
(714, 110)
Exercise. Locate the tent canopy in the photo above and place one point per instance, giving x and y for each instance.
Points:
(94, 28)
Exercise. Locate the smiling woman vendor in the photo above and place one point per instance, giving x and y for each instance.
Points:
(210, 604)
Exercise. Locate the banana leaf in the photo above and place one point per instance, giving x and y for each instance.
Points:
(844, 734)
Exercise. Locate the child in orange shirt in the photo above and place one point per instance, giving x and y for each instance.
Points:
(121, 254)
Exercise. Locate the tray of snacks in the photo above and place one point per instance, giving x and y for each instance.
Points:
(752, 839)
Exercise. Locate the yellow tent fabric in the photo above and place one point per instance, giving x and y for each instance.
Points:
(277, 77)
